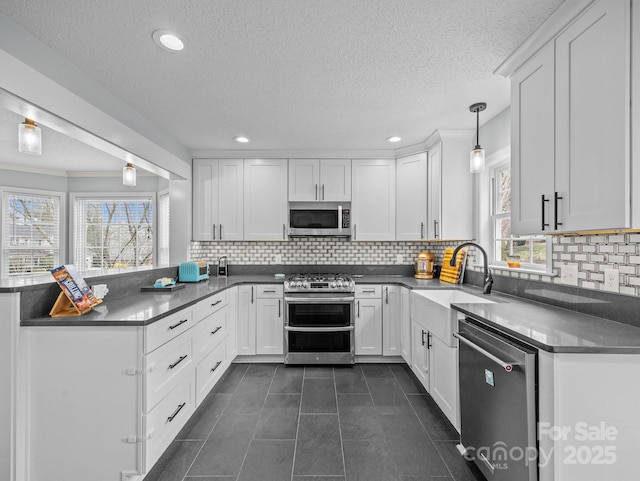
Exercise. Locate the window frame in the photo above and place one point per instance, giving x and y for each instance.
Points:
(494, 217)
(160, 227)
(62, 219)
(115, 196)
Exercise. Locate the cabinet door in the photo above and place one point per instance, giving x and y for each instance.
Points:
(443, 379)
(368, 327)
(411, 197)
(269, 327)
(405, 322)
(304, 180)
(231, 199)
(391, 320)
(533, 144)
(434, 192)
(246, 320)
(335, 180)
(593, 116)
(420, 354)
(265, 199)
(373, 209)
(205, 199)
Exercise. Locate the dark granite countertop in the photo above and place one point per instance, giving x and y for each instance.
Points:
(555, 329)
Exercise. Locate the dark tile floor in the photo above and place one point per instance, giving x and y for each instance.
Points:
(268, 422)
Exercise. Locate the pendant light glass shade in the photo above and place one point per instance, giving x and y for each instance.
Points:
(476, 159)
(129, 175)
(29, 138)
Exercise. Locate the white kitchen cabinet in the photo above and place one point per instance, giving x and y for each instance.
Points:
(450, 186)
(411, 197)
(368, 321)
(265, 199)
(232, 327)
(260, 319)
(373, 208)
(218, 199)
(246, 320)
(320, 180)
(443, 377)
(420, 354)
(391, 320)
(405, 325)
(571, 109)
(270, 327)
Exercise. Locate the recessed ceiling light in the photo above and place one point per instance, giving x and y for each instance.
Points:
(242, 140)
(168, 40)
(394, 139)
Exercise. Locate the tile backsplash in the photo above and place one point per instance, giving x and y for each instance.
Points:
(590, 253)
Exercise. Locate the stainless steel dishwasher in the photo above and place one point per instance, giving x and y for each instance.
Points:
(497, 402)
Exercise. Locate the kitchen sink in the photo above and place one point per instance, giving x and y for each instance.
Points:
(432, 309)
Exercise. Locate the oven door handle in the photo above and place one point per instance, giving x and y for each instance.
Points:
(508, 366)
(319, 300)
(319, 329)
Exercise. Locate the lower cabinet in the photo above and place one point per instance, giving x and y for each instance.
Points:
(391, 320)
(368, 321)
(119, 394)
(260, 319)
(405, 325)
(435, 364)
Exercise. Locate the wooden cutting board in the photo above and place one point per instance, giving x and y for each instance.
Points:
(449, 273)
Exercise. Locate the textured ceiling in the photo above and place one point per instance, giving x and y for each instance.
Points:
(294, 74)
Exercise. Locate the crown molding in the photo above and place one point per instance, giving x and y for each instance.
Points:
(32, 170)
(550, 28)
(291, 154)
(440, 135)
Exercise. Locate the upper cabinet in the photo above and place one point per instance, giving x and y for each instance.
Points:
(450, 186)
(373, 207)
(411, 197)
(265, 199)
(312, 180)
(217, 199)
(571, 127)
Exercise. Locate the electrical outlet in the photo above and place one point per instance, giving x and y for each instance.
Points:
(569, 274)
(278, 259)
(399, 259)
(611, 280)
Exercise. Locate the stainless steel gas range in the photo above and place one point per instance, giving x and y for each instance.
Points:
(319, 319)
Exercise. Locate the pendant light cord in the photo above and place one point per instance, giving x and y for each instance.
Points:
(477, 128)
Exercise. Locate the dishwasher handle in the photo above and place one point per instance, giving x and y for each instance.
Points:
(508, 366)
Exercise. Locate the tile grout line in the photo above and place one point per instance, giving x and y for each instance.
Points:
(335, 393)
(214, 426)
(295, 444)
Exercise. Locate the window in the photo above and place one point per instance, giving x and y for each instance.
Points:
(532, 250)
(31, 232)
(113, 232)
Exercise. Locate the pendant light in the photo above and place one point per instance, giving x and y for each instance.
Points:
(476, 159)
(29, 138)
(129, 175)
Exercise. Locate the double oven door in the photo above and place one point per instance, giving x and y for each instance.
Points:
(319, 328)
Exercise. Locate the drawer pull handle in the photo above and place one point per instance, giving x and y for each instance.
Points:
(178, 324)
(182, 358)
(175, 413)
(216, 303)
(368, 291)
(216, 330)
(216, 366)
(269, 290)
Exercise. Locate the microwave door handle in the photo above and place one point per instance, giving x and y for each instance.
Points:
(339, 215)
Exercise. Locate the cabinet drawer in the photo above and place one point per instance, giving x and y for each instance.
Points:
(166, 366)
(164, 330)
(164, 422)
(210, 305)
(209, 370)
(368, 291)
(209, 333)
(270, 291)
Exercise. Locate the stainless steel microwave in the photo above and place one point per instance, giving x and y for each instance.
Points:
(320, 222)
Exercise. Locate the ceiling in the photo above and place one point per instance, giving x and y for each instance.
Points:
(294, 74)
